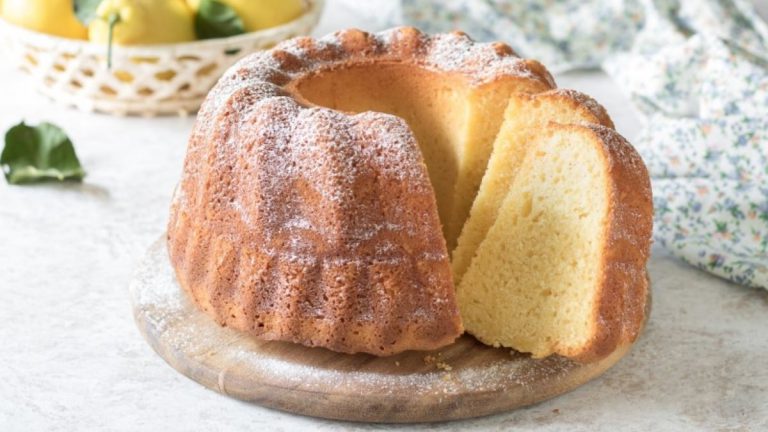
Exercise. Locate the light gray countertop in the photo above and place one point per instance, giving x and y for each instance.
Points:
(72, 359)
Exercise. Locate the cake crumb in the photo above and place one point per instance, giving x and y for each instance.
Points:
(397, 363)
(437, 361)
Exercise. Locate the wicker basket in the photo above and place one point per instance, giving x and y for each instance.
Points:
(144, 80)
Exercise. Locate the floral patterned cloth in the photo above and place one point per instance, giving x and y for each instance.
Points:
(697, 70)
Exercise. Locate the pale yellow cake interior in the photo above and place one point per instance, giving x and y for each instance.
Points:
(533, 283)
(526, 116)
(455, 123)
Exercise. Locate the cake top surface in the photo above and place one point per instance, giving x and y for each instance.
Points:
(446, 52)
(478, 63)
(256, 87)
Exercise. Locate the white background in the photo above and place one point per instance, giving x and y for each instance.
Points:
(72, 359)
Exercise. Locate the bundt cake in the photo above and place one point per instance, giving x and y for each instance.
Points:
(326, 181)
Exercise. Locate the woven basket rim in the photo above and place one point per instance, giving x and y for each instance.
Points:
(315, 7)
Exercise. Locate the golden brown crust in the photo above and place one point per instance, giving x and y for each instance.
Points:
(288, 263)
(572, 100)
(623, 296)
(454, 52)
(328, 263)
(582, 102)
(304, 224)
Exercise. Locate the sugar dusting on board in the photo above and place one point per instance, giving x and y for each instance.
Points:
(170, 319)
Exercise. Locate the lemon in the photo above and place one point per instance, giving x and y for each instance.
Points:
(261, 14)
(143, 22)
(54, 17)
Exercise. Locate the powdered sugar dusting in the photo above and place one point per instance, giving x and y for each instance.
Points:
(282, 207)
(260, 78)
(481, 61)
(587, 102)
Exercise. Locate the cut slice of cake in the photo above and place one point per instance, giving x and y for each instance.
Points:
(525, 116)
(562, 269)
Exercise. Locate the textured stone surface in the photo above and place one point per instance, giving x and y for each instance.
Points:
(72, 359)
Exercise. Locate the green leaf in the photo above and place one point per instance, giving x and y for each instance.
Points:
(85, 10)
(215, 19)
(41, 153)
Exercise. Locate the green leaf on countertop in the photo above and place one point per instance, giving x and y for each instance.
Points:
(85, 10)
(40, 153)
(215, 19)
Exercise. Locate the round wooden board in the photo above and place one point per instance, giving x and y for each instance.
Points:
(466, 379)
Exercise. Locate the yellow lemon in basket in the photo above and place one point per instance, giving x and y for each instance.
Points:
(143, 22)
(262, 14)
(54, 17)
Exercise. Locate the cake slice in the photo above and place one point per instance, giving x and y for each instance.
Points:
(525, 116)
(562, 268)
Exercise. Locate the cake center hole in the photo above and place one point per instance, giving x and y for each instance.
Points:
(433, 104)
